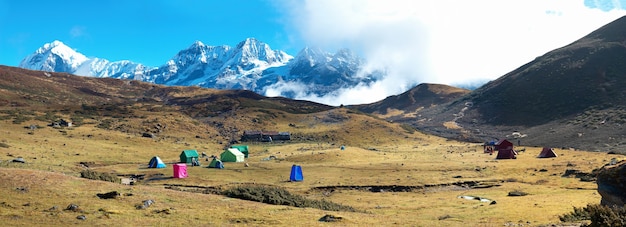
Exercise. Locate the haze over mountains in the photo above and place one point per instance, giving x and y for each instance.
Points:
(251, 65)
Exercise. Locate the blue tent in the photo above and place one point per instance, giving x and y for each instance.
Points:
(296, 173)
(156, 162)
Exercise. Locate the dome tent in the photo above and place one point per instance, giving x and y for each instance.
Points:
(156, 162)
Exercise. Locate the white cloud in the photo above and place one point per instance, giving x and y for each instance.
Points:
(441, 41)
(78, 31)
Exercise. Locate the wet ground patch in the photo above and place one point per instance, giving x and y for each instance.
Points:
(410, 188)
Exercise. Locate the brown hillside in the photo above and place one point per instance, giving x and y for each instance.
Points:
(574, 96)
(422, 96)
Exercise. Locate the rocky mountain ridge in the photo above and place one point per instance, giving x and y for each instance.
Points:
(251, 65)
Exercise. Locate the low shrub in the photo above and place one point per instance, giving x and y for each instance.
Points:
(18, 119)
(105, 124)
(408, 128)
(48, 117)
(599, 215)
(280, 196)
(93, 175)
(77, 120)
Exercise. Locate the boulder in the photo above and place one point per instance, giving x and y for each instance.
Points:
(72, 207)
(611, 182)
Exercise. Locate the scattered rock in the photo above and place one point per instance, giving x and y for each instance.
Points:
(145, 205)
(53, 208)
(72, 207)
(569, 172)
(108, 195)
(19, 160)
(148, 135)
(81, 217)
(330, 218)
(517, 193)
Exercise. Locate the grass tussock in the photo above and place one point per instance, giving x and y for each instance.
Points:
(280, 196)
(93, 175)
(599, 215)
(408, 128)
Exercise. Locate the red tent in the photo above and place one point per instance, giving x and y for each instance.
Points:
(547, 153)
(505, 150)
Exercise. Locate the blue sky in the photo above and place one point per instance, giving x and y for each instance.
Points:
(414, 41)
(146, 31)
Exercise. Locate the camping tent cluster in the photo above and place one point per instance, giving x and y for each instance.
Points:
(506, 151)
(236, 153)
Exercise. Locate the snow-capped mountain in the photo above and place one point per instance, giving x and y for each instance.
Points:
(54, 57)
(57, 57)
(221, 67)
(250, 65)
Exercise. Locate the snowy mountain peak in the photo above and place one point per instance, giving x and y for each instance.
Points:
(197, 44)
(254, 51)
(58, 57)
(51, 45)
(54, 57)
(249, 42)
(312, 56)
(59, 48)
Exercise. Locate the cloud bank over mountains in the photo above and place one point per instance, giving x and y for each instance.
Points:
(442, 41)
(401, 43)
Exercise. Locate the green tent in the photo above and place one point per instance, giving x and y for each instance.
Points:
(216, 163)
(242, 148)
(187, 156)
(232, 155)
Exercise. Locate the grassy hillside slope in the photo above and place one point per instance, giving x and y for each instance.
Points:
(388, 174)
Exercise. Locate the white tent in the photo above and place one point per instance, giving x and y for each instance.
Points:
(232, 155)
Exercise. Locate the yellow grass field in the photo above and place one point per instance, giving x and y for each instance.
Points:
(438, 171)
